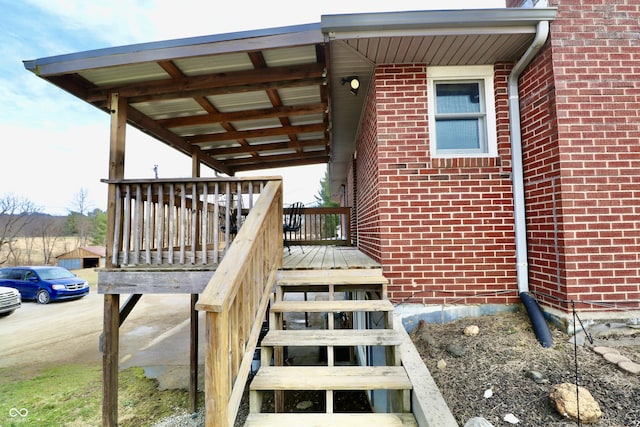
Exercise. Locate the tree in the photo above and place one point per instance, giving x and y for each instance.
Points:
(16, 213)
(78, 224)
(323, 198)
(98, 231)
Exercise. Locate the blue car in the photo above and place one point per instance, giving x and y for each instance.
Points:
(44, 284)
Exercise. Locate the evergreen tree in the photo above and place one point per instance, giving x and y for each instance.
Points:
(323, 198)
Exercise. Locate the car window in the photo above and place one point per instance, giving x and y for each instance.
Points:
(55, 273)
(11, 274)
(29, 275)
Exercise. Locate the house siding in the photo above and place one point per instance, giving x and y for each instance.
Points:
(445, 225)
(367, 176)
(580, 103)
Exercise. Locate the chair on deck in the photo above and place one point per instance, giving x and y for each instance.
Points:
(292, 223)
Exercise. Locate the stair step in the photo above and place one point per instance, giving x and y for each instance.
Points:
(335, 306)
(331, 277)
(330, 420)
(335, 337)
(339, 280)
(331, 378)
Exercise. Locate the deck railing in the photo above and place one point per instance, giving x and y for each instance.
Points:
(322, 226)
(235, 301)
(178, 221)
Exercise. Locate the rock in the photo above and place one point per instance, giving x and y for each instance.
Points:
(511, 419)
(488, 393)
(631, 367)
(471, 330)
(304, 405)
(477, 422)
(536, 376)
(563, 398)
(615, 358)
(456, 350)
(604, 350)
(442, 365)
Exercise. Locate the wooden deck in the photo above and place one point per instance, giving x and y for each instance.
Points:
(326, 258)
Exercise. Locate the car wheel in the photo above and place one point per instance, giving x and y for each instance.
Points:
(43, 297)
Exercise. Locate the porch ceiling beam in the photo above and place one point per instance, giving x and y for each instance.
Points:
(148, 126)
(271, 162)
(266, 147)
(256, 133)
(236, 81)
(262, 113)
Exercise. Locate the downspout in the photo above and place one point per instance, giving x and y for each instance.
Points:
(540, 327)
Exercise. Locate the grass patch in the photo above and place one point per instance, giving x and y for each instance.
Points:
(71, 395)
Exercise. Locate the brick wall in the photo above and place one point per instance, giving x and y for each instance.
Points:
(445, 226)
(367, 206)
(581, 107)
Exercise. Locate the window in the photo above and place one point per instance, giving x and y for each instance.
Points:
(462, 120)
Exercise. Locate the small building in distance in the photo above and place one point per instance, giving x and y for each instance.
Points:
(83, 257)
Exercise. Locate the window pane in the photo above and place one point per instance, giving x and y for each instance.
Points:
(457, 98)
(462, 134)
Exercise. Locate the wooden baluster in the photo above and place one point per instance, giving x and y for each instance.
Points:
(126, 226)
(183, 221)
(205, 218)
(147, 225)
(116, 228)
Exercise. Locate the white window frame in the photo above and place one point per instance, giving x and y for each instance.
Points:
(483, 73)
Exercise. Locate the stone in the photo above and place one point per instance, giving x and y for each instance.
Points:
(471, 330)
(605, 350)
(563, 398)
(630, 367)
(477, 422)
(615, 358)
(511, 419)
(536, 376)
(442, 365)
(456, 350)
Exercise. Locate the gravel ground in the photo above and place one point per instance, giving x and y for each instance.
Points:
(501, 355)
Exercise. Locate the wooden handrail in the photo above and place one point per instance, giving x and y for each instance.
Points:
(235, 301)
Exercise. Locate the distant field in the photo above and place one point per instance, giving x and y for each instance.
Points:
(29, 251)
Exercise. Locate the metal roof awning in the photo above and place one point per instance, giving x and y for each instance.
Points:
(272, 98)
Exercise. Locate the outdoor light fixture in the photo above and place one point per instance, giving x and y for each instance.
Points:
(354, 83)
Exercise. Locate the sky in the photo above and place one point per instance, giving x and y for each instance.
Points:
(55, 145)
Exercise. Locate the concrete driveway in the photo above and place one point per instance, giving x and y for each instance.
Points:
(155, 336)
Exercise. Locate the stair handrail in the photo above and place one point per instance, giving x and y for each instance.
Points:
(235, 302)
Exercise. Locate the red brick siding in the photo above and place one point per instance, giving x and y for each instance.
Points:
(583, 163)
(366, 168)
(446, 226)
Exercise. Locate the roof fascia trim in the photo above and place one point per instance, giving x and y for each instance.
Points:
(436, 21)
(177, 49)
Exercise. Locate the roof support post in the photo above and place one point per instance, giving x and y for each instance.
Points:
(111, 323)
(195, 324)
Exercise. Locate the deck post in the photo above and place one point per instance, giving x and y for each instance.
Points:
(111, 324)
(193, 371)
(110, 360)
(217, 370)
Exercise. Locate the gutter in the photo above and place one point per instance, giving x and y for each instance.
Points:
(540, 327)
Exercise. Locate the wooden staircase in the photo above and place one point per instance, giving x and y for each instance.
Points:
(354, 335)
